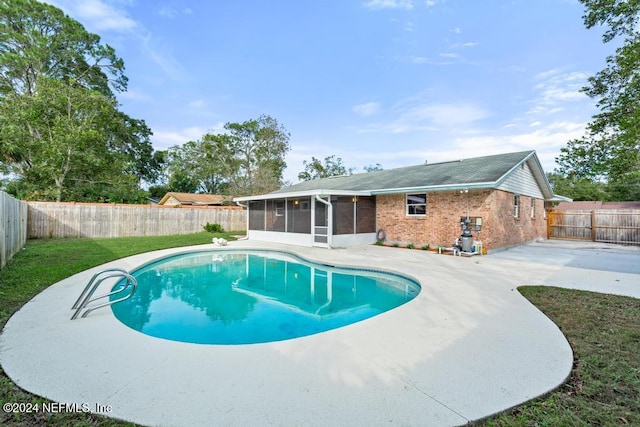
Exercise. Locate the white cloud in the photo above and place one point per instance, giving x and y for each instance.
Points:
(197, 104)
(163, 139)
(389, 4)
(367, 109)
(99, 16)
(450, 115)
(419, 113)
(170, 12)
(464, 45)
(96, 14)
(555, 89)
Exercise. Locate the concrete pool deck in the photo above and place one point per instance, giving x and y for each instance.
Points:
(468, 346)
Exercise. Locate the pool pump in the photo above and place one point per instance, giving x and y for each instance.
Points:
(466, 238)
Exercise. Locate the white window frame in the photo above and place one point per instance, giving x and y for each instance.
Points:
(533, 207)
(409, 205)
(279, 205)
(516, 205)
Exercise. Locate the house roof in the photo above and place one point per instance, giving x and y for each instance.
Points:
(194, 199)
(477, 172)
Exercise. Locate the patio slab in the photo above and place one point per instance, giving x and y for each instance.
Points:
(468, 346)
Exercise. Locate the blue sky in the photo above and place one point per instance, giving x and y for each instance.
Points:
(394, 82)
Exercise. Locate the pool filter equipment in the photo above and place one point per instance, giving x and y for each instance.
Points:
(466, 238)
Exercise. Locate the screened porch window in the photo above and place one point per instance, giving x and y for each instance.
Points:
(417, 204)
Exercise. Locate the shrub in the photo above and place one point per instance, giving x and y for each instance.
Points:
(213, 228)
(410, 246)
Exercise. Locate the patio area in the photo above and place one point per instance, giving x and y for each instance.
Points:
(467, 347)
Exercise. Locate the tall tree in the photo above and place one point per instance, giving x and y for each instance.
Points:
(261, 146)
(247, 159)
(57, 141)
(610, 150)
(204, 166)
(316, 168)
(38, 39)
(62, 136)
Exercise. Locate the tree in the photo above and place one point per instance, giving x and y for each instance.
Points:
(577, 188)
(204, 166)
(260, 147)
(373, 168)
(248, 159)
(63, 143)
(38, 39)
(316, 169)
(62, 136)
(610, 150)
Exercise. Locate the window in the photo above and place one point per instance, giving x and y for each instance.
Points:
(533, 207)
(516, 206)
(417, 204)
(279, 207)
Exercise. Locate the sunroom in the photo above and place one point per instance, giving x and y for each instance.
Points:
(312, 218)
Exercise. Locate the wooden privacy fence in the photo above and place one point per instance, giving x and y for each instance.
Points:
(607, 226)
(106, 220)
(13, 227)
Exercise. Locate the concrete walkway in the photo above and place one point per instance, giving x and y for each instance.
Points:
(468, 346)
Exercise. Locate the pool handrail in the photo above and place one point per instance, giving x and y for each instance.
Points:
(85, 297)
(93, 279)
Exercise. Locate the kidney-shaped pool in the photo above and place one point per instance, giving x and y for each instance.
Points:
(244, 297)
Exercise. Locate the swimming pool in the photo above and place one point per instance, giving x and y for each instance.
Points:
(249, 296)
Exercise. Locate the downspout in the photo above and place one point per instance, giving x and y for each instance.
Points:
(329, 218)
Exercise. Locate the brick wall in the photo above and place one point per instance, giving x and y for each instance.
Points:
(441, 224)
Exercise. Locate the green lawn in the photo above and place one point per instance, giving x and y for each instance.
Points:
(45, 262)
(603, 330)
(604, 386)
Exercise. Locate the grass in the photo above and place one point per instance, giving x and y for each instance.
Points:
(604, 386)
(603, 330)
(45, 262)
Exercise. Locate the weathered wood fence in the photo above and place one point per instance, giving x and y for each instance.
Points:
(13, 227)
(47, 220)
(608, 226)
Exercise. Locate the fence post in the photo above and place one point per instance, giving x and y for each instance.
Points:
(593, 225)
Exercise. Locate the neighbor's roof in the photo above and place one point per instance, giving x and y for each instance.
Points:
(477, 172)
(195, 199)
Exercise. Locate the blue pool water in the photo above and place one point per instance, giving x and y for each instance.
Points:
(243, 297)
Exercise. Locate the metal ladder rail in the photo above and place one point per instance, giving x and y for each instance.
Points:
(131, 284)
(93, 279)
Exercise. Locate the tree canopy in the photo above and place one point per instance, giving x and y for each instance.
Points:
(610, 150)
(247, 159)
(62, 135)
(316, 168)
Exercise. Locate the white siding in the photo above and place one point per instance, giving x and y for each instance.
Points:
(522, 181)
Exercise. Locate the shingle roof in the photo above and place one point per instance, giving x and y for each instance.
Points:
(195, 199)
(472, 171)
